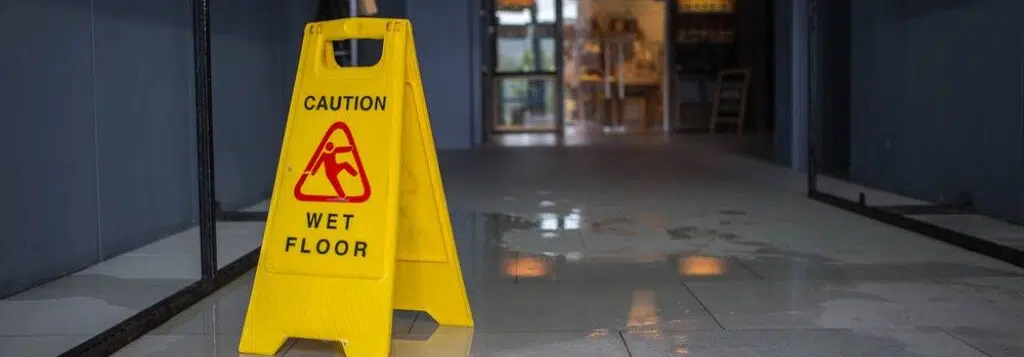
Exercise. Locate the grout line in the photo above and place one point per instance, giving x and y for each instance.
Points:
(415, 318)
(962, 341)
(583, 241)
(515, 279)
(745, 266)
(695, 297)
(287, 347)
(625, 344)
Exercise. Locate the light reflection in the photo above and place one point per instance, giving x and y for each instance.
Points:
(643, 314)
(552, 221)
(526, 267)
(574, 256)
(549, 221)
(572, 221)
(701, 266)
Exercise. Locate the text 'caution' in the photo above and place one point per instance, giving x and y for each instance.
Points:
(336, 103)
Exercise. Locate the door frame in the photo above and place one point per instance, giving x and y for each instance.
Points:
(491, 77)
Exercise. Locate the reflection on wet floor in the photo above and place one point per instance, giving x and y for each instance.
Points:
(543, 246)
(441, 342)
(572, 284)
(716, 266)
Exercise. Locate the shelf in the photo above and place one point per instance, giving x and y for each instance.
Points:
(698, 42)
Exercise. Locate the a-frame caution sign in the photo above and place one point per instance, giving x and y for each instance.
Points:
(358, 223)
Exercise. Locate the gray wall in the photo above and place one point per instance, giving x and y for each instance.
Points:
(833, 87)
(98, 122)
(255, 51)
(783, 81)
(752, 51)
(936, 100)
(447, 37)
(791, 83)
(448, 56)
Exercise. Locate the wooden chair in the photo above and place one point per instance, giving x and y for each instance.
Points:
(731, 95)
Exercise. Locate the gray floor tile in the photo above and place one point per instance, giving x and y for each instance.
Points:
(466, 343)
(800, 343)
(685, 251)
(543, 307)
(38, 346)
(995, 343)
(817, 304)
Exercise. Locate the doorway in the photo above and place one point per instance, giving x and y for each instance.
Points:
(522, 96)
(614, 66)
(572, 71)
(579, 72)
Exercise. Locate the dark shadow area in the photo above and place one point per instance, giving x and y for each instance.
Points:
(916, 117)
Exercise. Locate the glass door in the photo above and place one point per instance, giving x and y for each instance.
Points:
(614, 66)
(522, 82)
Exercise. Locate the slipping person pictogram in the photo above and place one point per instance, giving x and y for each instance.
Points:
(329, 160)
(334, 158)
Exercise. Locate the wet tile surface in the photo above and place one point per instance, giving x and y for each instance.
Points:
(863, 304)
(39, 345)
(801, 343)
(666, 255)
(995, 343)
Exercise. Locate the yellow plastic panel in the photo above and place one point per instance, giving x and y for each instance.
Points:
(338, 254)
(429, 276)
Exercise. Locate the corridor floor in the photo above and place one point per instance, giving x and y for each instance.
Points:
(668, 250)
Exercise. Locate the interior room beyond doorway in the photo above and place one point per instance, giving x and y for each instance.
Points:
(580, 72)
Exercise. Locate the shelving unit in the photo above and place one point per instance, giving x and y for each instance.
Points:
(706, 42)
(614, 73)
(704, 36)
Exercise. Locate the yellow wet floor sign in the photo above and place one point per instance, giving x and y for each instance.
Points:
(358, 224)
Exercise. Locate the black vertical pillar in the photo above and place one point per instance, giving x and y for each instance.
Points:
(770, 72)
(813, 102)
(487, 58)
(834, 87)
(535, 93)
(559, 57)
(538, 59)
(204, 137)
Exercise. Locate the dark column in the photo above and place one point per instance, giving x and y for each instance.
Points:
(535, 92)
(204, 137)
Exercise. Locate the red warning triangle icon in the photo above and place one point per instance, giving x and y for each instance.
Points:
(335, 172)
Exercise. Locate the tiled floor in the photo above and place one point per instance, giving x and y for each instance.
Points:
(663, 250)
(54, 317)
